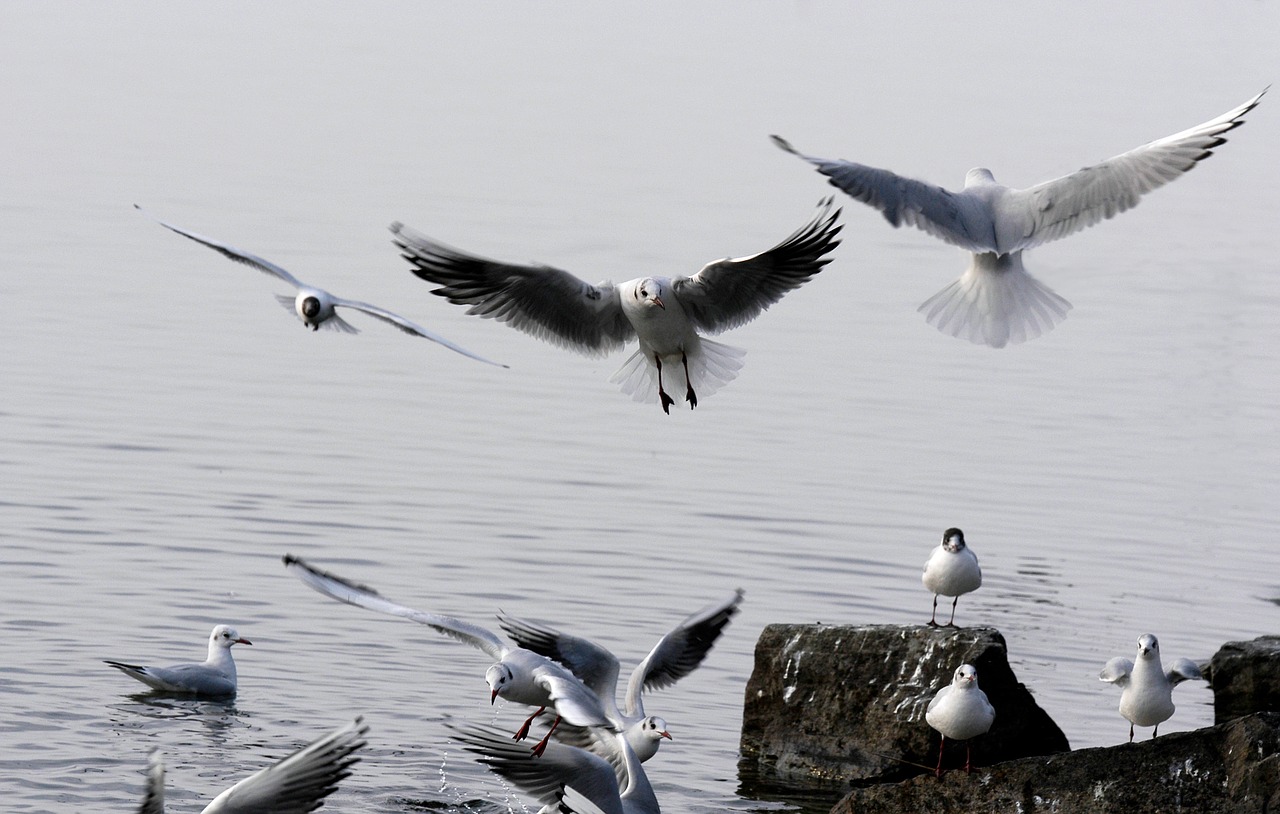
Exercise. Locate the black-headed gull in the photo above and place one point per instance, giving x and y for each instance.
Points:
(996, 301)
(960, 711)
(951, 570)
(295, 785)
(1146, 698)
(567, 776)
(677, 653)
(519, 675)
(315, 306)
(214, 677)
(667, 315)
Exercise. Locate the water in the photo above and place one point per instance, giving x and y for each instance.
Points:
(167, 432)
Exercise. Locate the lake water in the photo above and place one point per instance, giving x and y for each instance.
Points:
(167, 432)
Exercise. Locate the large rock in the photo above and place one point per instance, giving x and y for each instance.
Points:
(1245, 677)
(834, 706)
(1230, 768)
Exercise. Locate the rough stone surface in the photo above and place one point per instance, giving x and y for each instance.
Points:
(835, 706)
(1231, 768)
(1245, 677)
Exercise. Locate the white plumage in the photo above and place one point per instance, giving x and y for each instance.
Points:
(1147, 689)
(951, 570)
(960, 711)
(214, 677)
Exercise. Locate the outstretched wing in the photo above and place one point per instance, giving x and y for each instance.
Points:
(594, 665)
(542, 301)
(1073, 202)
(408, 327)
(229, 251)
(153, 800)
(680, 651)
(299, 783)
(1117, 671)
(353, 593)
(1183, 670)
(944, 214)
(733, 291)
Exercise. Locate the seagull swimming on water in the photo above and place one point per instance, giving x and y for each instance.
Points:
(996, 301)
(677, 653)
(519, 675)
(960, 711)
(294, 785)
(951, 570)
(214, 677)
(315, 306)
(667, 315)
(1147, 696)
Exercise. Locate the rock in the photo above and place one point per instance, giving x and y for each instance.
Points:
(1231, 768)
(1245, 677)
(834, 706)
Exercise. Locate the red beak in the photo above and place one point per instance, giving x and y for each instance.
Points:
(666, 735)
(658, 301)
(493, 697)
(243, 641)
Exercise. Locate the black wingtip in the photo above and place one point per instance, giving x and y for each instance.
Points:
(783, 144)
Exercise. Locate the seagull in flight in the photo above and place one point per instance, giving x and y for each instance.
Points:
(996, 301)
(1147, 689)
(315, 306)
(215, 677)
(519, 675)
(667, 315)
(295, 785)
(678, 653)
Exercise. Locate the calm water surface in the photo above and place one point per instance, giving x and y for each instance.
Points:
(167, 432)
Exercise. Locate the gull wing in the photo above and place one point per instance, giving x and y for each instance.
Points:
(408, 327)
(732, 292)
(230, 252)
(153, 800)
(946, 215)
(594, 665)
(299, 783)
(1073, 202)
(1183, 670)
(542, 301)
(680, 651)
(1117, 671)
(353, 593)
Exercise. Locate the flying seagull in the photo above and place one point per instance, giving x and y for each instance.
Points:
(996, 301)
(668, 315)
(315, 306)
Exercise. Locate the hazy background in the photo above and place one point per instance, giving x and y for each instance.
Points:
(167, 431)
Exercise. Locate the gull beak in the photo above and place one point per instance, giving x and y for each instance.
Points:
(664, 733)
(493, 696)
(658, 302)
(242, 641)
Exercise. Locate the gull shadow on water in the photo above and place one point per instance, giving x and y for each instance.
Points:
(218, 715)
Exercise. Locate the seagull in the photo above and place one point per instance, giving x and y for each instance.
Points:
(576, 779)
(214, 677)
(996, 301)
(1147, 690)
(952, 570)
(960, 711)
(519, 675)
(678, 653)
(295, 785)
(667, 315)
(315, 306)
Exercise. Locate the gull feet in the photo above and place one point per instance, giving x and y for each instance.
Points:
(667, 401)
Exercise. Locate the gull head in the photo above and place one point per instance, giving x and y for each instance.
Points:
(310, 309)
(965, 678)
(654, 728)
(1148, 646)
(225, 635)
(498, 677)
(978, 176)
(953, 540)
(648, 292)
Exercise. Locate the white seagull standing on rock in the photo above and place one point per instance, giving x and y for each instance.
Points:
(214, 677)
(960, 711)
(1147, 696)
(996, 301)
(952, 570)
(665, 314)
(315, 306)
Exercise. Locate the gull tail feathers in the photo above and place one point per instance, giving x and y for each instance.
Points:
(712, 365)
(995, 302)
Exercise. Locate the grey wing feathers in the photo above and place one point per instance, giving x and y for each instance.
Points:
(1116, 671)
(408, 326)
(545, 302)
(229, 252)
(300, 782)
(595, 666)
(930, 208)
(1183, 670)
(728, 293)
(1083, 198)
(681, 651)
(153, 800)
(353, 593)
